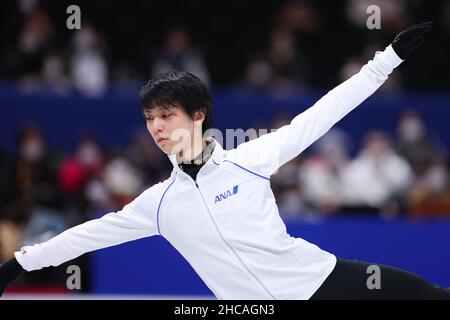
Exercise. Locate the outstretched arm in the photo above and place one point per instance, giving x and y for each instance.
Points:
(136, 220)
(267, 153)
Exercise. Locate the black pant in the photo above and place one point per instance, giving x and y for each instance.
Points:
(352, 280)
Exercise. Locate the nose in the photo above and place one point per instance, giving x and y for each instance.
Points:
(157, 125)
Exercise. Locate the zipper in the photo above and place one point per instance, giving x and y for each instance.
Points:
(227, 244)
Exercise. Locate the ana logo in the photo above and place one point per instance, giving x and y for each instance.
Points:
(226, 194)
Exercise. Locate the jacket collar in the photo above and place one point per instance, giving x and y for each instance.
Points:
(214, 159)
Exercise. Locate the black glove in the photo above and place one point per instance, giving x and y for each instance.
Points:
(8, 272)
(409, 39)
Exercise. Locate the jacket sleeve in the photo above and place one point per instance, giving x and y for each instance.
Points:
(269, 152)
(136, 220)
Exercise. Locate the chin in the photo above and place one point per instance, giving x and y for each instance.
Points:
(168, 150)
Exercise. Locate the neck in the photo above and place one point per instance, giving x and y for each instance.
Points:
(194, 151)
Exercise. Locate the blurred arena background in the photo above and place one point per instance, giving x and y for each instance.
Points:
(73, 143)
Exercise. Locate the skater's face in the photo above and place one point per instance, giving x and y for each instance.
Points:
(172, 129)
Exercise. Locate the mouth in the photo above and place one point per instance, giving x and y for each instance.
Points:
(160, 140)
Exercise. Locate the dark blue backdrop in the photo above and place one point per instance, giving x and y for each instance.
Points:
(114, 116)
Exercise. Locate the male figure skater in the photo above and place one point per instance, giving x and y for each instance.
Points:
(217, 208)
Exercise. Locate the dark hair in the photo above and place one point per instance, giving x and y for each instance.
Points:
(177, 87)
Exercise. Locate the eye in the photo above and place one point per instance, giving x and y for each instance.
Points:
(150, 118)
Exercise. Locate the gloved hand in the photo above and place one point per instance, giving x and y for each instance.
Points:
(406, 41)
(8, 272)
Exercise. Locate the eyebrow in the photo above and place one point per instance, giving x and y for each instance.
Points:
(149, 112)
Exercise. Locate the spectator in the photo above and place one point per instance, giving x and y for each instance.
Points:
(320, 176)
(122, 180)
(414, 143)
(179, 55)
(430, 194)
(77, 172)
(34, 169)
(89, 69)
(258, 72)
(36, 38)
(54, 72)
(376, 176)
(31, 185)
(285, 67)
(288, 63)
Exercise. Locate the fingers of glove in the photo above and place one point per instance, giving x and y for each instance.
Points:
(423, 28)
(418, 29)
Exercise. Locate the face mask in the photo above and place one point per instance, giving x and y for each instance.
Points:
(32, 150)
(411, 130)
(89, 154)
(85, 39)
(436, 179)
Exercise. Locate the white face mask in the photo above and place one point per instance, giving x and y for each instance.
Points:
(436, 179)
(411, 130)
(32, 149)
(88, 154)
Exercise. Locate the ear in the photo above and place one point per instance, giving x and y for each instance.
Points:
(200, 115)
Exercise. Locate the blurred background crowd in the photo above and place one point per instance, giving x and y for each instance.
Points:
(278, 46)
(269, 45)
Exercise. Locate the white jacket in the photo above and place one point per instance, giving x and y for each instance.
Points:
(227, 224)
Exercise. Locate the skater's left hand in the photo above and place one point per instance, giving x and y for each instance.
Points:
(409, 39)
